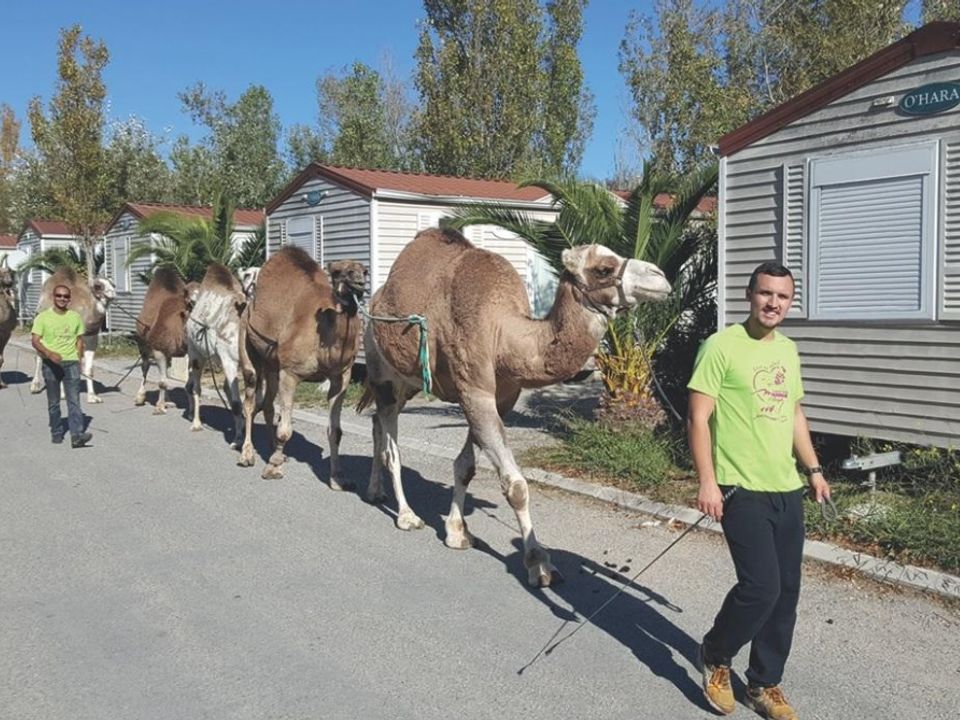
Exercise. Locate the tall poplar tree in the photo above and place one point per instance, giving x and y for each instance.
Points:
(70, 139)
(489, 72)
(9, 146)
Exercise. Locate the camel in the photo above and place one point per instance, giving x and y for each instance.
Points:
(213, 330)
(8, 309)
(161, 329)
(484, 349)
(90, 300)
(300, 325)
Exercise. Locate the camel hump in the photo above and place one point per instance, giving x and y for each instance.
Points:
(167, 278)
(64, 275)
(219, 275)
(443, 236)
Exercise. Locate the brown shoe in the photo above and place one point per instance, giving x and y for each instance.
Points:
(770, 702)
(716, 685)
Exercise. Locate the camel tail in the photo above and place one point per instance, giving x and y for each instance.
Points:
(364, 402)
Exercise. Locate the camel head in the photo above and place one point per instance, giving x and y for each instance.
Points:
(191, 292)
(349, 279)
(103, 290)
(608, 283)
(6, 274)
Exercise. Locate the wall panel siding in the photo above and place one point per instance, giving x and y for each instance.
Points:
(895, 380)
(121, 317)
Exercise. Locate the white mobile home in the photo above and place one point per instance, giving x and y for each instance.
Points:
(855, 186)
(122, 233)
(338, 213)
(37, 237)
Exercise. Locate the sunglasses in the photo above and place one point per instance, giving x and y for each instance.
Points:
(65, 297)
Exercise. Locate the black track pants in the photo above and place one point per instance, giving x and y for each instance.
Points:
(764, 533)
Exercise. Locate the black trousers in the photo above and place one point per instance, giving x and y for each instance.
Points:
(764, 533)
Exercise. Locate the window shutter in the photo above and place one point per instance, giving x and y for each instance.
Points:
(792, 241)
(475, 235)
(283, 233)
(869, 257)
(426, 220)
(950, 254)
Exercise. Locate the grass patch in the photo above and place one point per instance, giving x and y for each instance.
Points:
(311, 394)
(117, 346)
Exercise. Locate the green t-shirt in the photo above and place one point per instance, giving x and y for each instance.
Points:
(59, 332)
(756, 385)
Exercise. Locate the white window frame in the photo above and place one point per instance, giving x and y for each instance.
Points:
(877, 164)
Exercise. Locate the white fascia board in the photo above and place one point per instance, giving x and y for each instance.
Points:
(543, 203)
(374, 246)
(722, 244)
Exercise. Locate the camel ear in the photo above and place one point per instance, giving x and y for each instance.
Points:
(240, 302)
(573, 259)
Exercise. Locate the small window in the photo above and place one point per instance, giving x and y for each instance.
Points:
(872, 235)
(121, 251)
(300, 234)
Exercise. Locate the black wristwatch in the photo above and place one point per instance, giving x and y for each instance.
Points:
(815, 470)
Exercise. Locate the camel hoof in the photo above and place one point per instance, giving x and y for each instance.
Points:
(35, 390)
(336, 484)
(408, 520)
(459, 541)
(159, 410)
(272, 472)
(94, 400)
(139, 401)
(544, 575)
(169, 404)
(245, 461)
(196, 428)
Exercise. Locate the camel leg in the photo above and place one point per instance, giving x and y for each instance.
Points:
(141, 397)
(2, 383)
(231, 387)
(92, 396)
(251, 392)
(375, 492)
(196, 375)
(36, 384)
(486, 426)
(388, 412)
(335, 395)
(161, 406)
(287, 387)
(464, 468)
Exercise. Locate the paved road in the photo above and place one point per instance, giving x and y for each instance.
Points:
(149, 577)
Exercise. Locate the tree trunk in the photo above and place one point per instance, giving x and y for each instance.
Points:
(89, 246)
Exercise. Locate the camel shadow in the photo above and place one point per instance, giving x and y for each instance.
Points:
(15, 377)
(217, 418)
(638, 618)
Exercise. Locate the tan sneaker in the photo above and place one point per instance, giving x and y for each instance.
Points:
(716, 686)
(770, 702)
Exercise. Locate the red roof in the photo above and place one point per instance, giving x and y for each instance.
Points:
(369, 182)
(932, 38)
(49, 227)
(7, 240)
(662, 201)
(241, 216)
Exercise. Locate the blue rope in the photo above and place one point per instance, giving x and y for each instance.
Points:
(424, 353)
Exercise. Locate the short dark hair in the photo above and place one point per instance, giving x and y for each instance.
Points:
(768, 268)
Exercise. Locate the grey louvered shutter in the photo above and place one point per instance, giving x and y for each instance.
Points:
(318, 237)
(949, 308)
(792, 240)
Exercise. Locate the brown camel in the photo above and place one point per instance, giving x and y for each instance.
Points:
(300, 325)
(90, 300)
(161, 328)
(8, 309)
(484, 348)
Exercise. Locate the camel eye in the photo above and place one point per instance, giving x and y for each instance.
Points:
(605, 271)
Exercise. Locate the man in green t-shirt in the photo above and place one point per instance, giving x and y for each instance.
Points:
(745, 427)
(57, 336)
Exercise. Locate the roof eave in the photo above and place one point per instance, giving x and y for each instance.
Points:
(405, 196)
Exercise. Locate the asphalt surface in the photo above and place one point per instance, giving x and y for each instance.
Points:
(148, 576)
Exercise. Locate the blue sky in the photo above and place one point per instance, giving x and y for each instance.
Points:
(159, 49)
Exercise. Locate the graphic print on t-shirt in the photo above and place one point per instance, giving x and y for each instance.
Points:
(770, 391)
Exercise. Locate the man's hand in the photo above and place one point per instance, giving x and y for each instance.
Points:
(55, 358)
(819, 488)
(710, 500)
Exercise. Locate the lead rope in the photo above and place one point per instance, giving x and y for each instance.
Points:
(550, 645)
(424, 353)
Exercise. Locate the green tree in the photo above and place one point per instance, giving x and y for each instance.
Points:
(195, 175)
(931, 10)
(241, 145)
(136, 172)
(304, 146)
(70, 140)
(638, 228)
(253, 250)
(187, 243)
(697, 70)
(31, 190)
(9, 149)
(489, 72)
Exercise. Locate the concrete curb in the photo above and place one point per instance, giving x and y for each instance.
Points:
(885, 571)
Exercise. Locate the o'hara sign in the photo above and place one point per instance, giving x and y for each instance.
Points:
(931, 99)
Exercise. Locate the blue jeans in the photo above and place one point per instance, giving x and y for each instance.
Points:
(69, 374)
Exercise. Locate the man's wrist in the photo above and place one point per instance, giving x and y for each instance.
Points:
(811, 471)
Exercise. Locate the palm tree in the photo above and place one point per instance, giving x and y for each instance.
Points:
(637, 228)
(69, 256)
(187, 243)
(253, 250)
